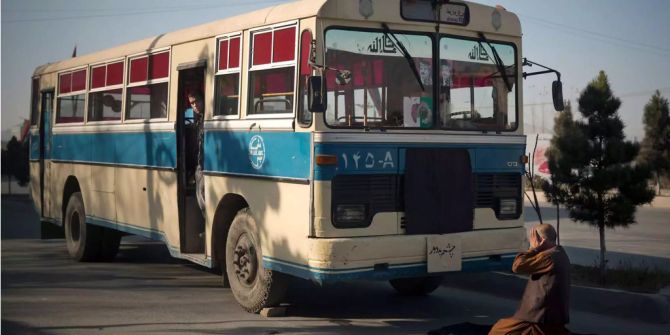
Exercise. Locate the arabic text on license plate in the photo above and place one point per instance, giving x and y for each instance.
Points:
(443, 253)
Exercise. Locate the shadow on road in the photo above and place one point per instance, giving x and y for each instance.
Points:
(19, 219)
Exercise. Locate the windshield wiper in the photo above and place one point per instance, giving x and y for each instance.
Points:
(496, 58)
(405, 54)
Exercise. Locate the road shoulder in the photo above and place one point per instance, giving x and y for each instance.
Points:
(649, 308)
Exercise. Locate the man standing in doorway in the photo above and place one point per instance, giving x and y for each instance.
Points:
(195, 116)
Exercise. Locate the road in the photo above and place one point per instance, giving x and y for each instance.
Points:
(146, 291)
(644, 244)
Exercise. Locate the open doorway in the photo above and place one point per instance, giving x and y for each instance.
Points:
(45, 148)
(189, 137)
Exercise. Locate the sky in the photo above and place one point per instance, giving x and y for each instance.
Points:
(627, 39)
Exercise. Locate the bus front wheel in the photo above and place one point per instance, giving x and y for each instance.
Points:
(253, 286)
(417, 285)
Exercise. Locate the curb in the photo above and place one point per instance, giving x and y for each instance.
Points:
(649, 308)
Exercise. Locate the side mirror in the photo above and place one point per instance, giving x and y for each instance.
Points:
(316, 94)
(557, 95)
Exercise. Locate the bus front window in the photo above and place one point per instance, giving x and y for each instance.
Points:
(383, 92)
(473, 94)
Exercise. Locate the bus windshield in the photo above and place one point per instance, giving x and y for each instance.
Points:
(383, 91)
(473, 93)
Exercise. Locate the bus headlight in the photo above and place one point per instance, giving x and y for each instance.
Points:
(507, 207)
(350, 213)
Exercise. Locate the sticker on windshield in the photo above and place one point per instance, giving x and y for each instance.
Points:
(417, 112)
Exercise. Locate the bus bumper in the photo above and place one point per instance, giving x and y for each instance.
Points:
(396, 256)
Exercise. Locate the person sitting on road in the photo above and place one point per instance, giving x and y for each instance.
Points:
(544, 307)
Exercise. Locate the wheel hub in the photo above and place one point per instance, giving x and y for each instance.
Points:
(245, 261)
(75, 226)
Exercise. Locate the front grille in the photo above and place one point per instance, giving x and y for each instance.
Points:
(379, 192)
(385, 192)
(490, 188)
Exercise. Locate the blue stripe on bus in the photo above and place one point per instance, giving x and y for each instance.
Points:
(275, 154)
(151, 149)
(127, 228)
(147, 233)
(35, 146)
(284, 154)
(319, 275)
(390, 158)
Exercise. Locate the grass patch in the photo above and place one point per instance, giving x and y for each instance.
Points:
(642, 278)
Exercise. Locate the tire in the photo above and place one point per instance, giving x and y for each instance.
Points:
(86, 242)
(417, 286)
(83, 240)
(253, 286)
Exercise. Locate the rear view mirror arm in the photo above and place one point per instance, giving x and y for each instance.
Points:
(556, 87)
(527, 62)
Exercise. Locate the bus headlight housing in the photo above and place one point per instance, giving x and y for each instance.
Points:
(349, 214)
(508, 207)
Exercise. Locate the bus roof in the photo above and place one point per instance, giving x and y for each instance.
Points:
(335, 9)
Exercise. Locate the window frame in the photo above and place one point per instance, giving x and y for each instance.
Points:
(217, 72)
(35, 95)
(128, 84)
(299, 100)
(121, 86)
(272, 65)
(433, 91)
(69, 94)
(518, 81)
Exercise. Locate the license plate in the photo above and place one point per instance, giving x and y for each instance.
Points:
(443, 253)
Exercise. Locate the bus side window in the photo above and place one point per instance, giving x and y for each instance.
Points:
(104, 97)
(227, 82)
(270, 86)
(71, 96)
(147, 93)
(304, 115)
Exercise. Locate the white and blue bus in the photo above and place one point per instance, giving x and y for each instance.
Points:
(340, 140)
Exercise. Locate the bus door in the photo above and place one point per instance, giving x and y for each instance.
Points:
(45, 150)
(189, 128)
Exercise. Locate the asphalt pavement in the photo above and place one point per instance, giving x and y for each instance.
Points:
(146, 291)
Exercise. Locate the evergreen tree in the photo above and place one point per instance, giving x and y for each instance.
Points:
(592, 166)
(655, 150)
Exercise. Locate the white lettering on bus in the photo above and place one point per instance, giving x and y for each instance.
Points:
(356, 157)
(370, 161)
(388, 160)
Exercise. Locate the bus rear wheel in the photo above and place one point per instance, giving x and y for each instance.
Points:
(82, 239)
(253, 286)
(86, 242)
(416, 286)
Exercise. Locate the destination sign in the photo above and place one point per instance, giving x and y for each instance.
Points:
(443, 12)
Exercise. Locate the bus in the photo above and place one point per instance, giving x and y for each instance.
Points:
(332, 140)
